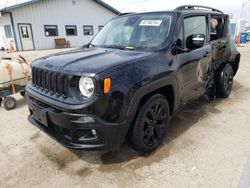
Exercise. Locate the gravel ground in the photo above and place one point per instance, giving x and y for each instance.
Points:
(207, 145)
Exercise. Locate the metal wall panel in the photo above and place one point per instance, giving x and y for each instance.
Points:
(61, 13)
(5, 20)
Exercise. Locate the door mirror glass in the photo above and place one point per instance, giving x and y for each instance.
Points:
(195, 41)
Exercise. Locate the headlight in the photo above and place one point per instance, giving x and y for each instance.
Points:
(86, 86)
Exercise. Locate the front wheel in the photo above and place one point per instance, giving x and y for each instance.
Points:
(148, 130)
(225, 81)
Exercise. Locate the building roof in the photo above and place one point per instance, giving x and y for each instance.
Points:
(19, 5)
(100, 2)
(107, 6)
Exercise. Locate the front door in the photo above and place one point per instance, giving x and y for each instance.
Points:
(26, 38)
(194, 65)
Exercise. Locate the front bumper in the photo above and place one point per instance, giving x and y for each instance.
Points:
(75, 131)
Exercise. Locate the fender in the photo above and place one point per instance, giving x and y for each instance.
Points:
(150, 87)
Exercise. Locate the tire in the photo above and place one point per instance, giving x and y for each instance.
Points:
(225, 81)
(22, 93)
(9, 103)
(148, 129)
(1, 101)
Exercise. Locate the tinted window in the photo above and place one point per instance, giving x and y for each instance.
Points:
(195, 25)
(180, 41)
(134, 32)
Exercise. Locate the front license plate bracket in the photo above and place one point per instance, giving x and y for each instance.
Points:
(41, 116)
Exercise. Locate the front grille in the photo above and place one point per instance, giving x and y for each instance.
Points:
(50, 82)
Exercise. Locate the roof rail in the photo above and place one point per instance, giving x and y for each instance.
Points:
(126, 13)
(193, 7)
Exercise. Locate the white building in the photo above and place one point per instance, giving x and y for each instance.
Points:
(35, 24)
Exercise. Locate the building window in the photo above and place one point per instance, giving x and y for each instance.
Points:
(88, 30)
(100, 27)
(24, 31)
(71, 30)
(51, 30)
(8, 33)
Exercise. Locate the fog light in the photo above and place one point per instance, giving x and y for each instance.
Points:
(93, 132)
(86, 135)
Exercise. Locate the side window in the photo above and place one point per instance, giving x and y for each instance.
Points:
(195, 25)
(181, 41)
(217, 25)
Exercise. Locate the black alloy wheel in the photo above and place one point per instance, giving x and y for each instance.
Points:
(148, 130)
(225, 81)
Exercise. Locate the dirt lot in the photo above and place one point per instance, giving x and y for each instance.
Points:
(207, 145)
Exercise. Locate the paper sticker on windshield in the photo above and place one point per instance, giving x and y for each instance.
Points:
(150, 23)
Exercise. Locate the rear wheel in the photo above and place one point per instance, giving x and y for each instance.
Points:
(225, 81)
(9, 103)
(148, 130)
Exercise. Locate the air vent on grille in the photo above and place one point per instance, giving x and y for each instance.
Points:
(50, 82)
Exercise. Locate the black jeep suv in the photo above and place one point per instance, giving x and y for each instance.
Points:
(132, 77)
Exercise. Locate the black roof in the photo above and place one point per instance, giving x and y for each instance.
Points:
(184, 9)
(197, 7)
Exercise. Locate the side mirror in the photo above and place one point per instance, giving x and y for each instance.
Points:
(177, 47)
(195, 41)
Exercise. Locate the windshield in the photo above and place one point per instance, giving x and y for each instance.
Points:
(135, 32)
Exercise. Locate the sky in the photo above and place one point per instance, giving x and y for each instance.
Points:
(231, 7)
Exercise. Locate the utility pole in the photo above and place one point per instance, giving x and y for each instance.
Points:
(244, 4)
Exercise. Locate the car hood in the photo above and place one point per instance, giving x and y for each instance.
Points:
(89, 60)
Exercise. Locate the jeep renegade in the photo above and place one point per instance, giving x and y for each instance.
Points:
(132, 77)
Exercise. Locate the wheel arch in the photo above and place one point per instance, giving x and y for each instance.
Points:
(166, 86)
(233, 62)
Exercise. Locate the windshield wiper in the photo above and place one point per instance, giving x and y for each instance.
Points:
(92, 45)
(114, 46)
(119, 47)
(88, 45)
(110, 46)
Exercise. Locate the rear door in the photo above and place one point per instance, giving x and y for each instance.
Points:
(194, 65)
(218, 29)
